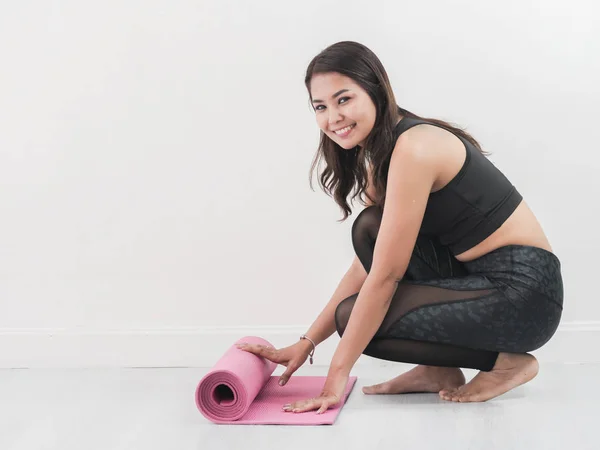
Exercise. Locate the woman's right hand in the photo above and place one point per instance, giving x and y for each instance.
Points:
(292, 357)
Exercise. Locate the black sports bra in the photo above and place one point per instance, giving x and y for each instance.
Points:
(474, 204)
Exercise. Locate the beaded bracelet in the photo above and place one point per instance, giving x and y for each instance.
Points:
(312, 352)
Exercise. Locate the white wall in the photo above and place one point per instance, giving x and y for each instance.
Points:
(154, 161)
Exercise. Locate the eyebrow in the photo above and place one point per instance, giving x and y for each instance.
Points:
(333, 96)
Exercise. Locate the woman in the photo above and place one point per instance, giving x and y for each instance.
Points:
(452, 268)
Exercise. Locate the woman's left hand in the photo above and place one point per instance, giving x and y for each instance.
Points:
(331, 395)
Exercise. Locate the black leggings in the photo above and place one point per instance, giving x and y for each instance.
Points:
(454, 314)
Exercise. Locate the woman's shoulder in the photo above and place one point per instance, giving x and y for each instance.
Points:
(445, 151)
(423, 133)
(430, 139)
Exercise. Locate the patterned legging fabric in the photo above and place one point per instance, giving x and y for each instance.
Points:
(449, 313)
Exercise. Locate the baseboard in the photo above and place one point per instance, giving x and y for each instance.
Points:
(573, 343)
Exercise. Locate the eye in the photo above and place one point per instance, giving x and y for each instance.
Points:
(341, 98)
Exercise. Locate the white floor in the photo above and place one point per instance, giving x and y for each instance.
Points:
(150, 409)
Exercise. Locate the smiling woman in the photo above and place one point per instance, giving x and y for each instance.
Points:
(458, 271)
(355, 109)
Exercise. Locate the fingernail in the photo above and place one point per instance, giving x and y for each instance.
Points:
(281, 383)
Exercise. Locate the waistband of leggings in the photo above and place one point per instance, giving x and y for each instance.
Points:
(525, 251)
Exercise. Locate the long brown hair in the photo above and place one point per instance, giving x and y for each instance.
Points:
(347, 169)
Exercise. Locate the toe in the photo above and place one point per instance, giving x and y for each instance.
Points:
(446, 394)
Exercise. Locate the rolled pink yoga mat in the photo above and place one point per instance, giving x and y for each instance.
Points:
(239, 389)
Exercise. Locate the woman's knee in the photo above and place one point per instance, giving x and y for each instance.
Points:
(342, 313)
(366, 224)
(364, 233)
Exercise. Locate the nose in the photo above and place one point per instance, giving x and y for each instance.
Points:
(334, 117)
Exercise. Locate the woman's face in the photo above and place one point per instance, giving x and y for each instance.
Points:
(351, 106)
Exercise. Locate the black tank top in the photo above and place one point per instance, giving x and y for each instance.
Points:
(472, 205)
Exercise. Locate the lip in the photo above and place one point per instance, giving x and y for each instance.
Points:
(341, 128)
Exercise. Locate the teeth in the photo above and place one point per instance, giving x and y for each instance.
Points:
(344, 130)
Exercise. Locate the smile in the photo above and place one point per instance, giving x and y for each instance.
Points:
(344, 131)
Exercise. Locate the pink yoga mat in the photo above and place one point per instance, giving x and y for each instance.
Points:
(239, 389)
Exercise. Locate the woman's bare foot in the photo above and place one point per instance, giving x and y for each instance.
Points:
(511, 370)
(420, 379)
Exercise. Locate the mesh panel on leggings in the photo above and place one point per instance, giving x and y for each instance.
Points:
(407, 298)
(389, 344)
(430, 354)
